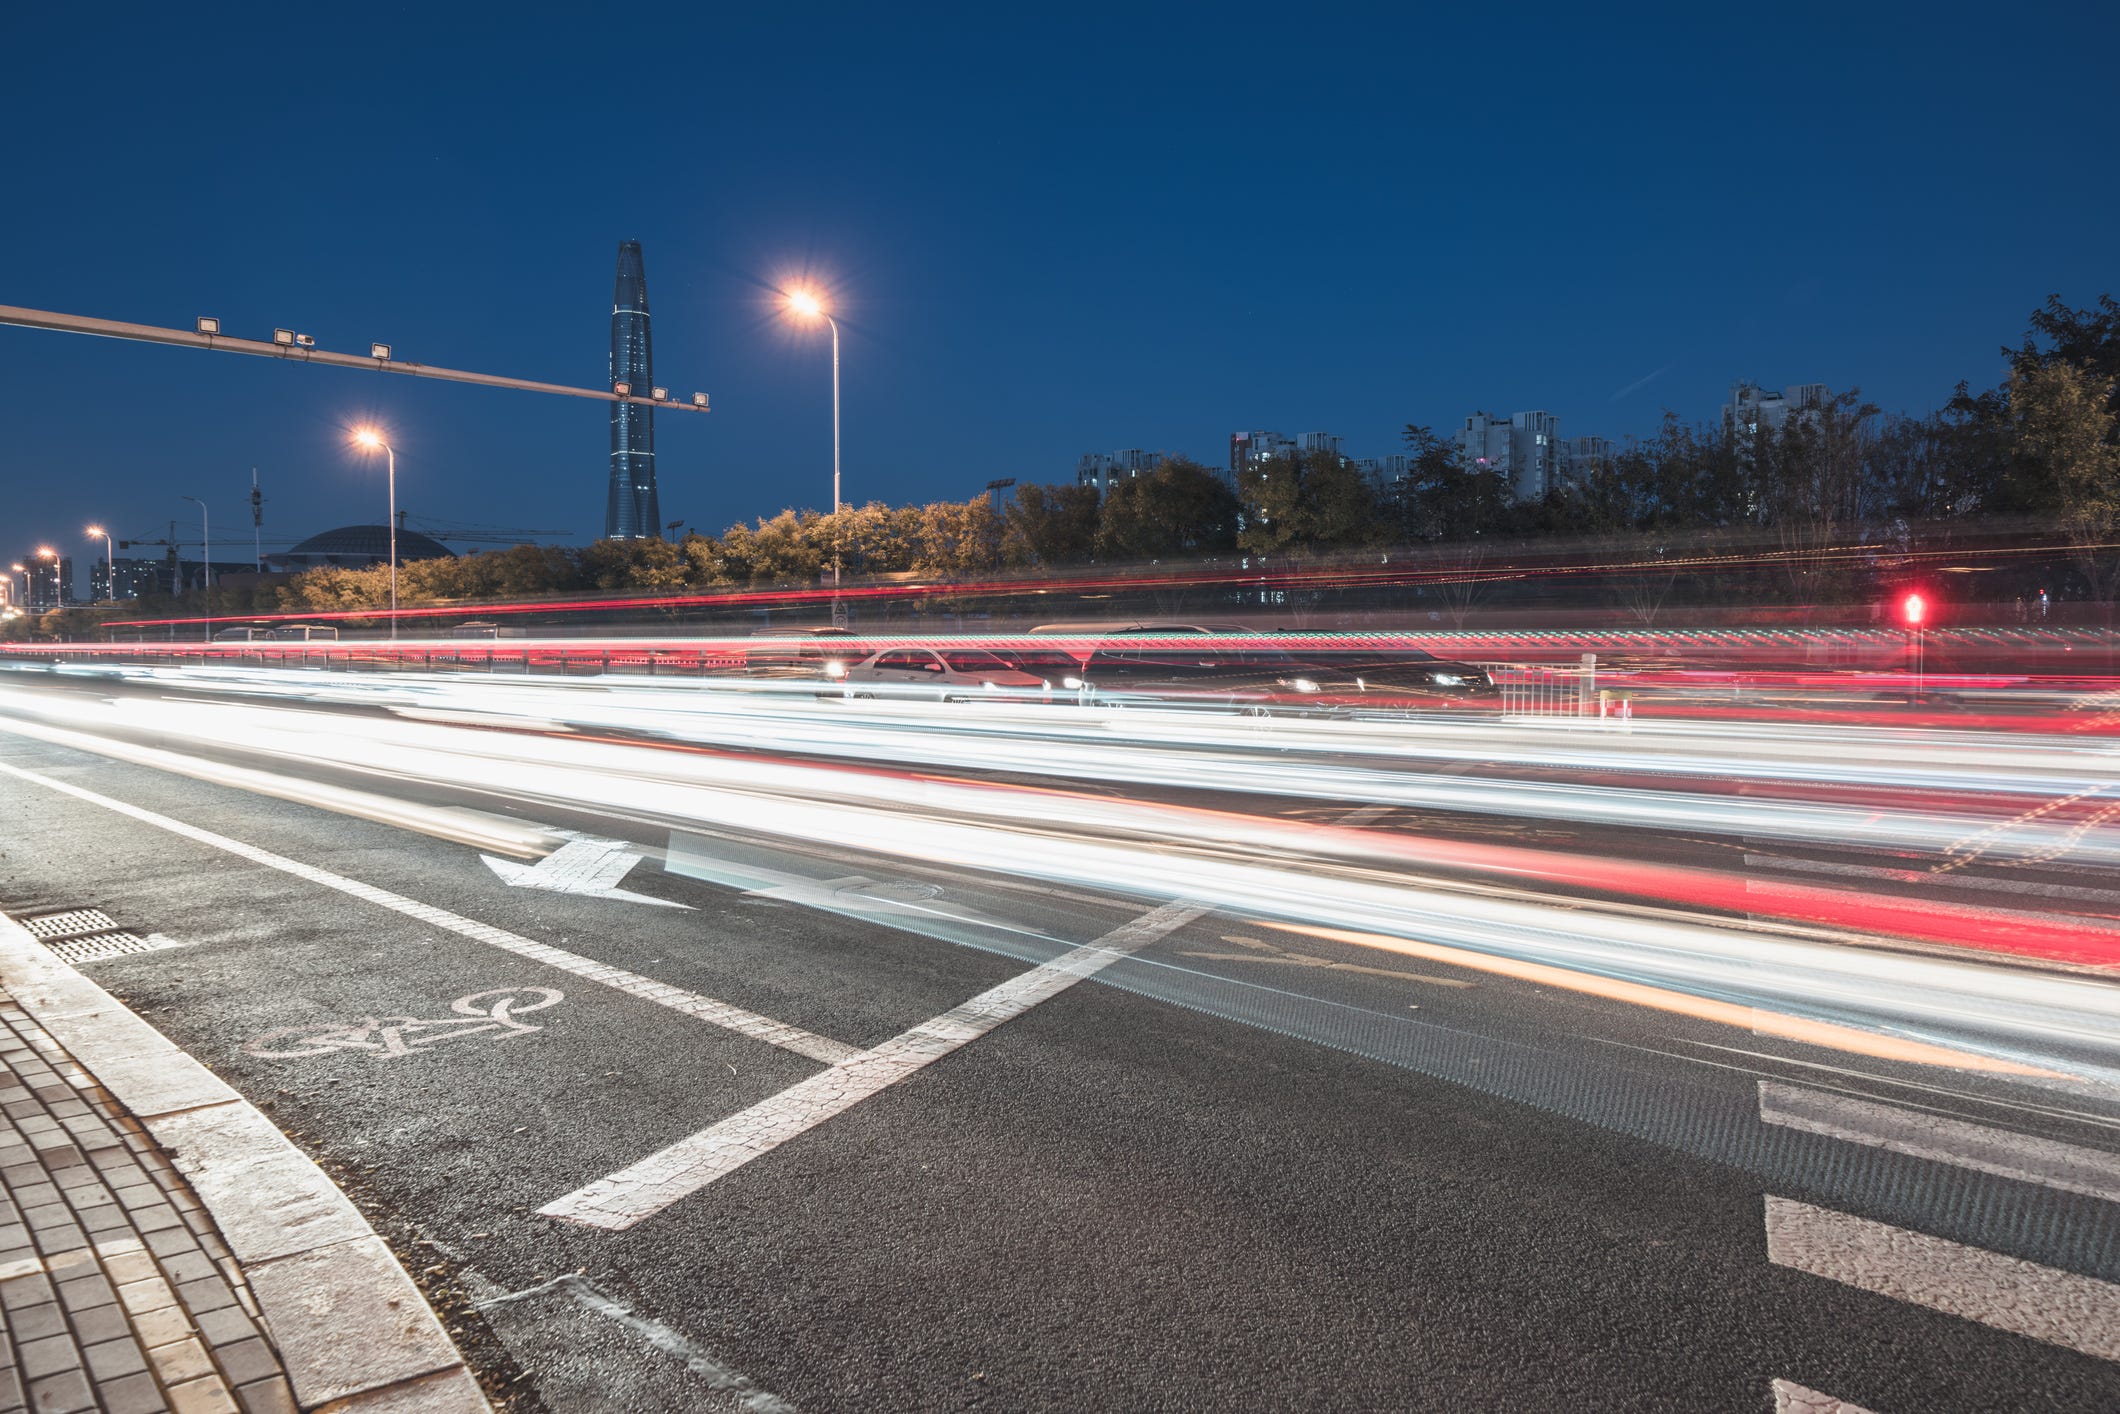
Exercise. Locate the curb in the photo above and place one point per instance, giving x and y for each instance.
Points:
(356, 1335)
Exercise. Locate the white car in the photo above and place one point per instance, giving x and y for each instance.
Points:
(952, 674)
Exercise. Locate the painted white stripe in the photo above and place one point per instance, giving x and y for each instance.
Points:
(2062, 1308)
(1943, 1139)
(1364, 815)
(708, 1009)
(1793, 1398)
(719, 1377)
(646, 1188)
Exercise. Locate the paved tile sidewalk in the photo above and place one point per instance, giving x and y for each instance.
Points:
(117, 1290)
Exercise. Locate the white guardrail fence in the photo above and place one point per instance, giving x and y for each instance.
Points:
(1557, 692)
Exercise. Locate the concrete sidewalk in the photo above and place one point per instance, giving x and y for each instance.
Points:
(164, 1247)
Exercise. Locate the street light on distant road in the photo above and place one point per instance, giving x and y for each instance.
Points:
(19, 568)
(805, 304)
(110, 560)
(205, 561)
(371, 439)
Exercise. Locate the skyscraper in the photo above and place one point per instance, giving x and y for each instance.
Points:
(632, 510)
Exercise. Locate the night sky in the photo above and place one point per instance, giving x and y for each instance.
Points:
(1108, 227)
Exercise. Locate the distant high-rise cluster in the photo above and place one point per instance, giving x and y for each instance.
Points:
(1101, 469)
(632, 510)
(1525, 450)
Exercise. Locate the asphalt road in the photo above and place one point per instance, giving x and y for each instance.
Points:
(1238, 1167)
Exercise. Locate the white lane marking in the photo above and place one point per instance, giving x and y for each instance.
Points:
(1355, 819)
(2062, 1308)
(1924, 878)
(1793, 1398)
(583, 865)
(646, 1188)
(719, 1377)
(1943, 1139)
(708, 1009)
(478, 828)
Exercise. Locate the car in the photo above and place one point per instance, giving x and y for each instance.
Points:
(1407, 680)
(952, 674)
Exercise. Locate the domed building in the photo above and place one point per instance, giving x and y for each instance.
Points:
(356, 547)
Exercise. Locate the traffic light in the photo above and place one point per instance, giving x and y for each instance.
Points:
(1914, 609)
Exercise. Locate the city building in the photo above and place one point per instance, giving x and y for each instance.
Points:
(632, 510)
(1524, 450)
(1386, 475)
(1101, 469)
(135, 577)
(51, 581)
(1584, 457)
(348, 547)
(1752, 407)
(1248, 450)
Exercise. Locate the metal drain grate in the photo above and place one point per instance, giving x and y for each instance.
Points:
(74, 923)
(81, 935)
(98, 946)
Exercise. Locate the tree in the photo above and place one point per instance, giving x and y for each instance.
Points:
(1050, 525)
(957, 538)
(1180, 508)
(1814, 484)
(2065, 424)
(2087, 339)
(1443, 499)
(1307, 502)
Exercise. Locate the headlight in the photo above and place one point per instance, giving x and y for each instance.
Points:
(1071, 684)
(1447, 679)
(1302, 684)
(988, 686)
(1047, 685)
(835, 669)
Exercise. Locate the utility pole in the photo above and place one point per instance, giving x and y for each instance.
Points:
(257, 524)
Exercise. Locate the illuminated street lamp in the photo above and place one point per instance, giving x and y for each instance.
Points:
(804, 304)
(19, 568)
(110, 560)
(371, 439)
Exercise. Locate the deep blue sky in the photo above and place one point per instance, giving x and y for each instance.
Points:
(1104, 227)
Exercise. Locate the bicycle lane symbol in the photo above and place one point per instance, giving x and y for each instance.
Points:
(490, 1015)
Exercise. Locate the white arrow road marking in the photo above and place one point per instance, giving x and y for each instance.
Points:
(584, 865)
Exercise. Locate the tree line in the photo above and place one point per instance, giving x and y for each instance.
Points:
(2041, 448)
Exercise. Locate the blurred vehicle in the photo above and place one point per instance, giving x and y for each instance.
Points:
(800, 652)
(1054, 665)
(1142, 627)
(1261, 679)
(1408, 680)
(243, 633)
(953, 674)
(304, 633)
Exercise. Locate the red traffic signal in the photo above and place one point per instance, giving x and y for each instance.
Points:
(1914, 608)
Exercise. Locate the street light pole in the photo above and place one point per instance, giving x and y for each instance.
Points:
(807, 305)
(205, 560)
(370, 438)
(110, 561)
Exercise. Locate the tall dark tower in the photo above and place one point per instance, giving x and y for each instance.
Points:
(632, 510)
